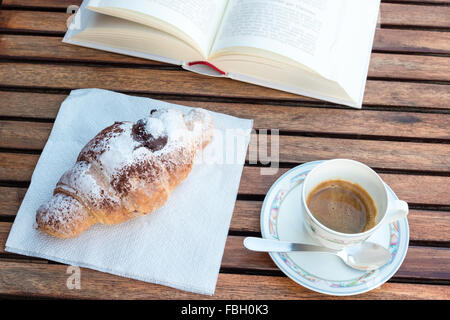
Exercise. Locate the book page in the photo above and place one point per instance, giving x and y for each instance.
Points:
(129, 37)
(198, 20)
(352, 49)
(301, 30)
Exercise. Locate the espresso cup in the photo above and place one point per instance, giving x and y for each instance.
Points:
(388, 210)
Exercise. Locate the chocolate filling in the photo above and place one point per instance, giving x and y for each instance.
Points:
(146, 138)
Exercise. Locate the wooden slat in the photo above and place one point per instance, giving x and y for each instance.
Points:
(415, 15)
(287, 119)
(362, 122)
(292, 149)
(379, 154)
(382, 65)
(41, 3)
(10, 200)
(400, 66)
(34, 21)
(420, 262)
(28, 136)
(390, 13)
(392, 93)
(26, 47)
(65, 3)
(16, 166)
(416, 41)
(415, 189)
(425, 1)
(385, 39)
(5, 228)
(189, 83)
(425, 225)
(50, 281)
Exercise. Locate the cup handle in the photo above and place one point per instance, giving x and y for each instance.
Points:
(397, 210)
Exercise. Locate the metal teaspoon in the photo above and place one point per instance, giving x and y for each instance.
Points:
(364, 256)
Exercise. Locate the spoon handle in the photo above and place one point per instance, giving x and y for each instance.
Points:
(268, 245)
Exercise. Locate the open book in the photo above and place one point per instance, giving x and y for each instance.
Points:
(315, 48)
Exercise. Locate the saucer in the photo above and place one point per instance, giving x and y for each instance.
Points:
(282, 219)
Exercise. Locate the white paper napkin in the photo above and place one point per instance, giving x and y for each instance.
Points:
(181, 244)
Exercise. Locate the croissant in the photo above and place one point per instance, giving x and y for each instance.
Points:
(127, 170)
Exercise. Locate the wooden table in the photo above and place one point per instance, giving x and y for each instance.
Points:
(403, 132)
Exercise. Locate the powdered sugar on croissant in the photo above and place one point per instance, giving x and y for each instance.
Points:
(127, 170)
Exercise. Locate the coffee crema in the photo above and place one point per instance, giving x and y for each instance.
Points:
(342, 206)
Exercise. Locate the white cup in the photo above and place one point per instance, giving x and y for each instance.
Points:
(388, 210)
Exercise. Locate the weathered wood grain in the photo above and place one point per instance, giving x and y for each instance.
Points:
(390, 13)
(16, 166)
(10, 200)
(412, 41)
(29, 136)
(292, 149)
(396, 66)
(424, 225)
(39, 280)
(379, 154)
(41, 3)
(416, 189)
(401, 66)
(420, 262)
(30, 47)
(296, 118)
(34, 21)
(414, 15)
(174, 82)
(424, 1)
(385, 39)
(65, 3)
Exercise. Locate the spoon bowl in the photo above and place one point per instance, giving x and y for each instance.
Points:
(364, 256)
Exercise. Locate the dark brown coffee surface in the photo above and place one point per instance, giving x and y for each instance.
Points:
(342, 206)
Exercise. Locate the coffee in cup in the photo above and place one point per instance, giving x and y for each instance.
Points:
(342, 206)
(352, 191)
